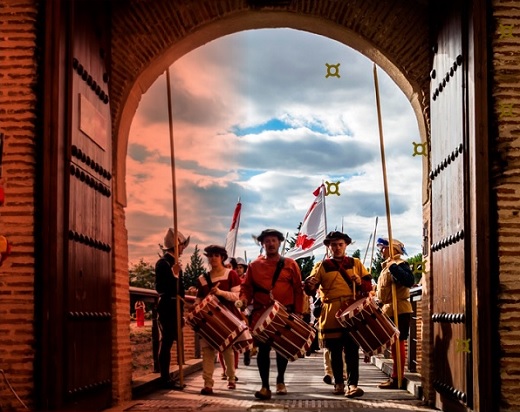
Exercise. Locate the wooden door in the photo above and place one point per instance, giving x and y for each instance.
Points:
(74, 364)
(89, 261)
(451, 286)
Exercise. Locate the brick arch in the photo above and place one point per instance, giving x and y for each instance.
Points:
(161, 32)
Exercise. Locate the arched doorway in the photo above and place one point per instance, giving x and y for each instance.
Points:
(372, 28)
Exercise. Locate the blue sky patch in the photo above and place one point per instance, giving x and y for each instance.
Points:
(273, 124)
(246, 174)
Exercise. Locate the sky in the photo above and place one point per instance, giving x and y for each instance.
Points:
(256, 118)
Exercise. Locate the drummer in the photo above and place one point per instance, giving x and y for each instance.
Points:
(261, 287)
(224, 283)
(337, 278)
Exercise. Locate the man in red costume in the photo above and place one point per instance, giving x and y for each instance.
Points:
(260, 288)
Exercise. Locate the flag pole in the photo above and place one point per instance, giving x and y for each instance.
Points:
(373, 247)
(324, 206)
(236, 231)
(284, 243)
(180, 346)
(388, 222)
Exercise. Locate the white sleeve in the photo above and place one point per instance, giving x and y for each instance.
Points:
(231, 295)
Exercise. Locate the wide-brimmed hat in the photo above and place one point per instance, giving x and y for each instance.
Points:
(337, 236)
(216, 249)
(398, 245)
(168, 239)
(270, 232)
(241, 262)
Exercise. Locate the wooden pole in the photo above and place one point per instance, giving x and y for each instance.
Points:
(373, 246)
(389, 224)
(284, 243)
(366, 251)
(180, 346)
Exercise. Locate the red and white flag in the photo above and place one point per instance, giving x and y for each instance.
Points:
(231, 238)
(313, 229)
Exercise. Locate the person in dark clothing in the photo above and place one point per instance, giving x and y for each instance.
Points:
(167, 273)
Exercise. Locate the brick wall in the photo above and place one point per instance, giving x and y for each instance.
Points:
(426, 324)
(18, 79)
(121, 351)
(506, 184)
(418, 315)
(188, 343)
(17, 121)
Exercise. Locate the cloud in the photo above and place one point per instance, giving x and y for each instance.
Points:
(255, 118)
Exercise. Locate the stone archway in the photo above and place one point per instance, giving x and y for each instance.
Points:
(370, 27)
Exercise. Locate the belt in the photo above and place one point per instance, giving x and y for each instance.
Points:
(341, 299)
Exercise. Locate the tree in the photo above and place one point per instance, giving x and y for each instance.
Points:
(376, 265)
(193, 269)
(357, 254)
(417, 266)
(306, 264)
(415, 262)
(142, 275)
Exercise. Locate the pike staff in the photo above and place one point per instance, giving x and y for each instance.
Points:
(366, 250)
(180, 346)
(388, 221)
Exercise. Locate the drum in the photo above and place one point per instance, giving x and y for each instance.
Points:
(368, 326)
(215, 323)
(243, 342)
(287, 334)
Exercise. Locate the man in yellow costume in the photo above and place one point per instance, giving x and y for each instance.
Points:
(338, 277)
(395, 270)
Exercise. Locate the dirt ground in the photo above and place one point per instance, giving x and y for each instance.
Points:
(141, 343)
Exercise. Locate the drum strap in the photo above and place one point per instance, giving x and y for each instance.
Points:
(342, 272)
(207, 276)
(279, 267)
